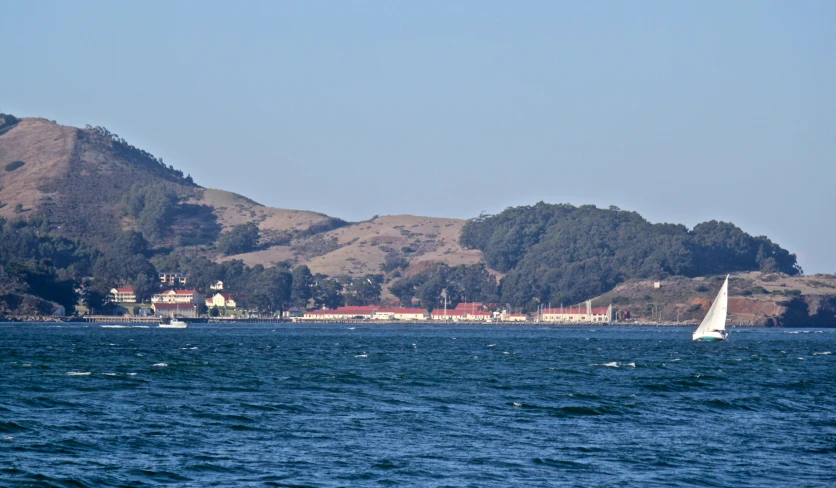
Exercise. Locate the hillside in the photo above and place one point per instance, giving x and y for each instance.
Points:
(92, 186)
(562, 253)
(755, 298)
(83, 206)
(361, 248)
(78, 179)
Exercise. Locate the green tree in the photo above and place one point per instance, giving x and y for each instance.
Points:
(270, 290)
(301, 290)
(240, 239)
(145, 286)
(328, 293)
(201, 309)
(365, 290)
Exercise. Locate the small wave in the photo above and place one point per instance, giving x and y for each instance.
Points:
(78, 373)
(160, 365)
(11, 427)
(361, 355)
(131, 374)
(825, 353)
(517, 404)
(614, 364)
(109, 374)
(8, 438)
(114, 327)
(491, 345)
(352, 328)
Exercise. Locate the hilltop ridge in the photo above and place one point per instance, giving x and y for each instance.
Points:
(77, 181)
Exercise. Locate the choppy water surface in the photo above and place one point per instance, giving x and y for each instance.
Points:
(276, 405)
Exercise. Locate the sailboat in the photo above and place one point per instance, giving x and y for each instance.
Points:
(713, 326)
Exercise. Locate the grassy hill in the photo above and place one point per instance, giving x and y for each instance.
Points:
(90, 184)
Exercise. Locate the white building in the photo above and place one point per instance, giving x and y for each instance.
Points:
(579, 314)
(400, 314)
(122, 295)
(178, 296)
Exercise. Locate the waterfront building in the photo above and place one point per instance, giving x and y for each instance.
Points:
(578, 314)
(400, 314)
(171, 309)
(122, 295)
(178, 296)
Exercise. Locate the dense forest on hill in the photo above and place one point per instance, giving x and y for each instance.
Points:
(565, 254)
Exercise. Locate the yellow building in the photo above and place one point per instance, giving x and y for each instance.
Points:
(178, 296)
(122, 295)
(221, 300)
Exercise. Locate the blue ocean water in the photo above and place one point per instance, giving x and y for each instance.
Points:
(415, 405)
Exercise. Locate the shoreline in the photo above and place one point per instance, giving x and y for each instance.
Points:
(215, 321)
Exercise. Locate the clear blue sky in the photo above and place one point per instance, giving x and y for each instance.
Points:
(683, 111)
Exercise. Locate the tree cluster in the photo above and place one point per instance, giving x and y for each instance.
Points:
(240, 239)
(458, 284)
(564, 254)
(152, 207)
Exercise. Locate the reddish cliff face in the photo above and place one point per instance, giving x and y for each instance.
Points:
(756, 299)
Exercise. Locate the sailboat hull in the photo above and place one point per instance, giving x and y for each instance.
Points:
(711, 336)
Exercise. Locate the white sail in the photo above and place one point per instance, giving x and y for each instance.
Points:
(715, 319)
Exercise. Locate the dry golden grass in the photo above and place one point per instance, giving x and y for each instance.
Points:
(233, 209)
(362, 246)
(46, 149)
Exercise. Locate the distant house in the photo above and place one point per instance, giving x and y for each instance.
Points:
(178, 296)
(294, 312)
(173, 279)
(578, 314)
(222, 300)
(122, 295)
(400, 314)
(178, 309)
(217, 286)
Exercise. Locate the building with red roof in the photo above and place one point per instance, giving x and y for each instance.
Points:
(223, 300)
(125, 294)
(178, 296)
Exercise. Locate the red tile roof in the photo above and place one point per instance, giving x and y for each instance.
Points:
(127, 289)
(439, 312)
